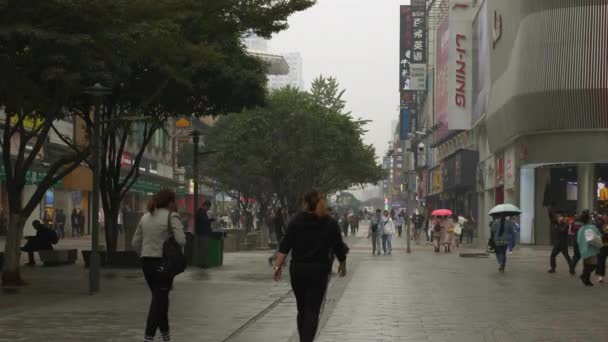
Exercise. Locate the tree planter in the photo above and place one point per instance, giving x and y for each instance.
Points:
(121, 259)
(86, 256)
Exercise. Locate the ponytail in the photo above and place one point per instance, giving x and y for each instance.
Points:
(160, 200)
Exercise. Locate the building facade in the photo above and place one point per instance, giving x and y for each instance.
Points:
(295, 77)
(546, 121)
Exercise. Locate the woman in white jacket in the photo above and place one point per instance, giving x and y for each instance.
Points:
(150, 236)
(388, 230)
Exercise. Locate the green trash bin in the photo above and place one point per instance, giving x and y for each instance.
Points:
(215, 251)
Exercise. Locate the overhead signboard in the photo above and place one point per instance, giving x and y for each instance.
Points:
(418, 76)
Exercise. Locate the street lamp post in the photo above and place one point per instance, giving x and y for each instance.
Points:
(97, 91)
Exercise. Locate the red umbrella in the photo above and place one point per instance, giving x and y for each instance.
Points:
(442, 212)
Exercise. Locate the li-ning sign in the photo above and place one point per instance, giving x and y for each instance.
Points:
(460, 74)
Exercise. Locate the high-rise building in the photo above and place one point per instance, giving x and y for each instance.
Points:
(256, 43)
(295, 76)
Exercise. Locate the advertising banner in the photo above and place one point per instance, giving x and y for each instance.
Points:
(509, 168)
(404, 123)
(460, 46)
(481, 66)
(441, 79)
(418, 76)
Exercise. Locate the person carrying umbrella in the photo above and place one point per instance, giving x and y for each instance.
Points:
(502, 231)
(439, 228)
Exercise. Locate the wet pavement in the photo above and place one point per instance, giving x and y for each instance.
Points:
(421, 296)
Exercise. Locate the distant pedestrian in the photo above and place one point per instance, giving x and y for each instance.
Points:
(375, 232)
(400, 222)
(589, 243)
(278, 222)
(513, 239)
(560, 241)
(469, 229)
(345, 224)
(501, 231)
(601, 258)
(154, 228)
(311, 236)
(575, 226)
(457, 230)
(448, 238)
(60, 220)
(388, 230)
(354, 223)
(437, 233)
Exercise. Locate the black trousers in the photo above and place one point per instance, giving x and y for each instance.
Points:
(589, 265)
(158, 315)
(601, 262)
(560, 248)
(576, 257)
(309, 284)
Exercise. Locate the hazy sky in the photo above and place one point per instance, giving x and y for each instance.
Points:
(356, 41)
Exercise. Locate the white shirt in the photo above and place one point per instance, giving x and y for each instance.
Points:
(152, 232)
(388, 226)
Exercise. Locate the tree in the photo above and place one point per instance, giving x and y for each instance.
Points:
(289, 146)
(48, 53)
(203, 70)
(159, 58)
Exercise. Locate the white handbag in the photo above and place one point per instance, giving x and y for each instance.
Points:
(593, 239)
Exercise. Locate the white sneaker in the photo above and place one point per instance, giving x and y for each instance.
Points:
(510, 252)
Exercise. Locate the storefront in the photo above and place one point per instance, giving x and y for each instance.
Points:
(459, 191)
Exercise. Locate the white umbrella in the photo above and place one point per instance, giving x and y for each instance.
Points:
(508, 209)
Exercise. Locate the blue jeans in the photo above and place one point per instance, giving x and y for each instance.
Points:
(387, 245)
(376, 242)
(512, 242)
(501, 256)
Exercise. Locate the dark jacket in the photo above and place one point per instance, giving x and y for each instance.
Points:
(313, 240)
(60, 219)
(44, 240)
(203, 226)
(279, 227)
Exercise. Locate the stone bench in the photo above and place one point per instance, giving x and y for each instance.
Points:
(58, 257)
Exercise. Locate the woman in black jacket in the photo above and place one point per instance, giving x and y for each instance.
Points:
(312, 236)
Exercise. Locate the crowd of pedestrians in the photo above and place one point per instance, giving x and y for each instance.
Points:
(589, 237)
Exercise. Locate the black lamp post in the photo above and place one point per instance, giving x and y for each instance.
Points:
(97, 91)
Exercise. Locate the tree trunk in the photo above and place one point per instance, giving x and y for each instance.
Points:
(111, 222)
(11, 274)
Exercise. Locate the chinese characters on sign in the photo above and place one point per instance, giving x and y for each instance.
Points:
(405, 45)
(418, 31)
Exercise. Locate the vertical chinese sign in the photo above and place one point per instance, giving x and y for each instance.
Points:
(405, 51)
